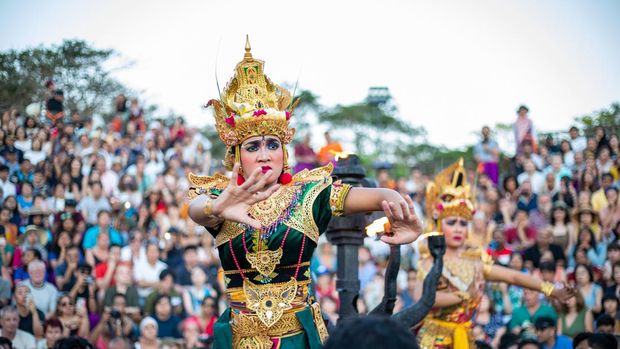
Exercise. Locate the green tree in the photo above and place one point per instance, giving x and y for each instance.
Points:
(75, 66)
(608, 118)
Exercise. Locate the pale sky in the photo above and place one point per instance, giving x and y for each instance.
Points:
(451, 66)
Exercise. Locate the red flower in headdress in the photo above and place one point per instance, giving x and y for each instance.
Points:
(288, 116)
(440, 206)
(231, 120)
(260, 112)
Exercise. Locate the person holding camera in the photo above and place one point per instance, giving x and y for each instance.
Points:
(73, 316)
(114, 323)
(30, 318)
(82, 286)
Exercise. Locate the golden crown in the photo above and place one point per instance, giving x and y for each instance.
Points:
(448, 195)
(252, 105)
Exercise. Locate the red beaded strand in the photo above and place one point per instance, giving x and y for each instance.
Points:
(245, 247)
(235, 259)
(301, 252)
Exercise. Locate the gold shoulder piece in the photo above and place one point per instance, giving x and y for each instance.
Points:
(338, 196)
(203, 184)
(314, 175)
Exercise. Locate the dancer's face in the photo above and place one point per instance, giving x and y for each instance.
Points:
(263, 152)
(455, 231)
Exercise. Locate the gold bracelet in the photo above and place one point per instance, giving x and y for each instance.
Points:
(208, 209)
(547, 288)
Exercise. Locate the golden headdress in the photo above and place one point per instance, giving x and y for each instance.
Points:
(252, 105)
(448, 195)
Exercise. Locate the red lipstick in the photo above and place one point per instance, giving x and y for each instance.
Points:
(265, 169)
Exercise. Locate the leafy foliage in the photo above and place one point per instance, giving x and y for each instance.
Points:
(76, 67)
(607, 118)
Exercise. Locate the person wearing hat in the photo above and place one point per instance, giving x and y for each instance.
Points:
(148, 334)
(586, 216)
(34, 237)
(546, 331)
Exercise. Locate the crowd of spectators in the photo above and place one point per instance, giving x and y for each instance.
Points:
(96, 242)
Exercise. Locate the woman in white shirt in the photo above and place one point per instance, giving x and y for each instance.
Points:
(36, 154)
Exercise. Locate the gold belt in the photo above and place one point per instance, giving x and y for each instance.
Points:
(249, 332)
(248, 325)
(238, 296)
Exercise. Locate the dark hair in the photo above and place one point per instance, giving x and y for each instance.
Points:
(216, 305)
(559, 207)
(547, 266)
(523, 107)
(119, 295)
(506, 179)
(37, 253)
(529, 341)
(6, 343)
(602, 341)
(190, 248)
(588, 269)
(508, 340)
(605, 320)
(166, 272)
(160, 297)
(73, 342)
(52, 322)
(590, 232)
(583, 336)
(370, 332)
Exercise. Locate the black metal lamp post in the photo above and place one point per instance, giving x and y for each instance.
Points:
(346, 233)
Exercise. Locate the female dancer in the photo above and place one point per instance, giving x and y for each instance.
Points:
(266, 222)
(466, 268)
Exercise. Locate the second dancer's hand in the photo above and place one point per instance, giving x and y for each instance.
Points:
(235, 201)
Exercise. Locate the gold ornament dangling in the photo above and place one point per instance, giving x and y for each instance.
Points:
(265, 261)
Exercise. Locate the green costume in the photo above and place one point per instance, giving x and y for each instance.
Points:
(266, 271)
(297, 213)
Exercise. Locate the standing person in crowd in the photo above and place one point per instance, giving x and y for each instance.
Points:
(577, 142)
(524, 129)
(327, 152)
(486, 154)
(305, 157)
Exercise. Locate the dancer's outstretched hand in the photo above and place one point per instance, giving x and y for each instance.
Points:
(405, 225)
(563, 293)
(235, 201)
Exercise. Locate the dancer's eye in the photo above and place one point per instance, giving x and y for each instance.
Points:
(273, 144)
(451, 222)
